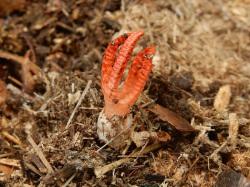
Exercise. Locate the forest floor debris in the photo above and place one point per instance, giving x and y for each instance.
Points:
(201, 75)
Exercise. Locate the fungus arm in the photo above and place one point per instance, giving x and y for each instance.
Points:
(122, 59)
(109, 60)
(137, 76)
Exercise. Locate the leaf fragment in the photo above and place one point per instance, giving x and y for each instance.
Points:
(171, 117)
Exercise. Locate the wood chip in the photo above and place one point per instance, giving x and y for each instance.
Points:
(233, 128)
(222, 98)
(169, 116)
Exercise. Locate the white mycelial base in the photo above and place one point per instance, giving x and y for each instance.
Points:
(114, 131)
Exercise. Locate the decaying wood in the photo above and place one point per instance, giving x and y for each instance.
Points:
(233, 129)
(40, 154)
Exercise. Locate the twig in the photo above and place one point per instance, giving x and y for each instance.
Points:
(29, 42)
(68, 170)
(11, 138)
(19, 92)
(85, 91)
(9, 56)
(141, 151)
(91, 108)
(69, 180)
(214, 155)
(32, 168)
(100, 171)
(5, 155)
(40, 154)
(147, 104)
(184, 178)
(10, 162)
(15, 80)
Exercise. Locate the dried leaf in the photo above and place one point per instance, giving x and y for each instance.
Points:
(222, 98)
(174, 119)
